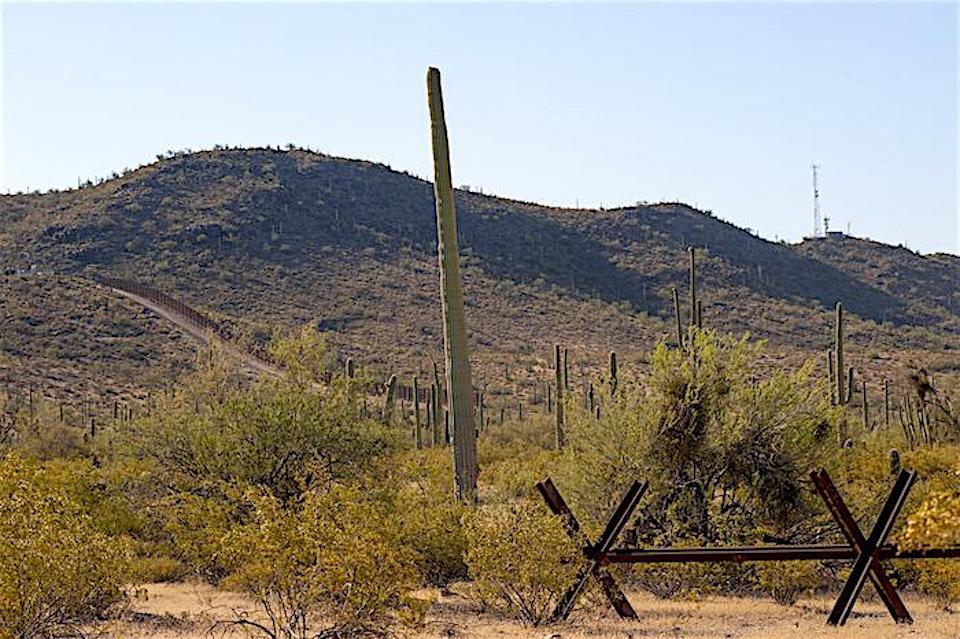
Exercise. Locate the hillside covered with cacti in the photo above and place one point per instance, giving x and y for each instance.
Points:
(267, 238)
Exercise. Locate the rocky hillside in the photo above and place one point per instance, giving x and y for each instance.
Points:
(273, 238)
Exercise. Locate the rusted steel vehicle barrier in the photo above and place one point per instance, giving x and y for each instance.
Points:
(866, 552)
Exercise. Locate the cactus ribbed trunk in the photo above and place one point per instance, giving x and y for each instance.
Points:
(613, 372)
(886, 403)
(417, 433)
(390, 403)
(557, 364)
(481, 409)
(676, 315)
(866, 409)
(838, 353)
(435, 422)
(455, 348)
(831, 378)
(693, 286)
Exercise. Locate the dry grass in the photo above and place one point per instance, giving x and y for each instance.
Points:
(187, 611)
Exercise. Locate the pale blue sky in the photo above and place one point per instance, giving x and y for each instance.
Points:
(722, 105)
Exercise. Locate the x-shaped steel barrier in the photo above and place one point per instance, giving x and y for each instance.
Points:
(595, 553)
(867, 562)
(866, 551)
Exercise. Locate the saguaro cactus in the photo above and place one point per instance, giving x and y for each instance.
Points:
(849, 385)
(831, 377)
(417, 434)
(434, 415)
(613, 372)
(389, 405)
(455, 348)
(693, 286)
(676, 315)
(866, 409)
(886, 403)
(558, 431)
(838, 353)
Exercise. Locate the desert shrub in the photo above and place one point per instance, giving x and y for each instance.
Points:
(936, 523)
(301, 355)
(277, 434)
(726, 453)
(787, 581)
(937, 578)
(427, 517)
(189, 527)
(57, 570)
(521, 559)
(514, 456)
(330, 567)
(691, 580)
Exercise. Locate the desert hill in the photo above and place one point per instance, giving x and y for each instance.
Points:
(264, 238)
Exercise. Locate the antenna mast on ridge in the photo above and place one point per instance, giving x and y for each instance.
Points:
(816, 201)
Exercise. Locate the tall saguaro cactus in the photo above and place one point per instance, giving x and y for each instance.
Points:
(455, 348)
(676, 315)
(558, 364)
(417, 433)
(693, 287)
(613, 372)
(390, 402)
(838, 353)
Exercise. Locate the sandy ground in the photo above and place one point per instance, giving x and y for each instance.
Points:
(187, 611)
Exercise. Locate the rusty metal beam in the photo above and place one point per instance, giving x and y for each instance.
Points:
(799, 552)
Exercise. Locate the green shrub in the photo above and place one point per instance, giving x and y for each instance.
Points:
(57, 570)
(277, 434)
(691, 580)
(332, 566)
(427, 516)
(190, 527)
(787, 581)
(726, 453)
(521, 559)
(939, 578)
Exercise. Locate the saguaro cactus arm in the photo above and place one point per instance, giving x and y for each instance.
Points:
(459, 383)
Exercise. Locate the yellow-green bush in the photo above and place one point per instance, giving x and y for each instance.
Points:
(726, 454)
(276, 434)
(521, 559)
(691, 580)
(787, 581)
(936, 524)
(332, 566)
(57, 570)
(427, 517)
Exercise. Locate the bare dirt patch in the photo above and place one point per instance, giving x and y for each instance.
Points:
(188, 611)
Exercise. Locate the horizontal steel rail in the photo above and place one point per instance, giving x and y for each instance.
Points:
(823, 552)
